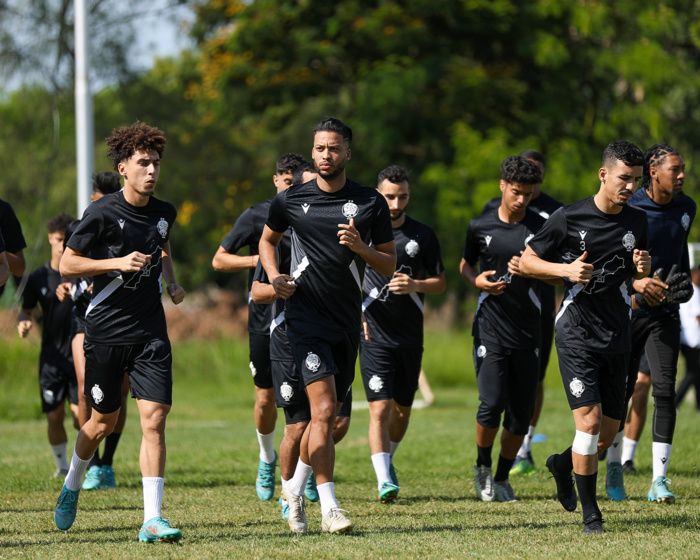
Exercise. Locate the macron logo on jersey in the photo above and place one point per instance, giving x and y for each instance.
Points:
(582, 233)
(121, 223)
(488, 239)
(305, 207)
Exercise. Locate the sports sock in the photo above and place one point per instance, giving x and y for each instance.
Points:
(95, 460)
(74, 478)
(393, 446)
(152, 496)
(664, 423)
(526, 446)
(326, 492)
(483, 456)
(284, 483)
(504, 466)
(267, 446)
(615, 450)
(59, 455)
(381, 461)
(111, 442)
(301, 474)
(585, 483)
(629, 448)
(661, 454)
(564, 462)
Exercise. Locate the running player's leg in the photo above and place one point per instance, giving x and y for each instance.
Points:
(53, 397)
(637, 416)
(112, 440)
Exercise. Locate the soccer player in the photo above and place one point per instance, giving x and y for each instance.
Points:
(4, 267)
(390, 360)
(690, 343)
(56, 372)
(655, 318)
(11, 231)
(126, 235)
(596, 245)
(636, 417)
(246, 232)
(506, 346)
(338, 227)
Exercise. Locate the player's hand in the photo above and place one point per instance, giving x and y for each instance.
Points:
(483, 283)
(350, 237)
(402, 284)
(63, 291)
(580, 271)
(514, 265)
(176, 292)
(651, 289)
(23, 328)
(642, 260)
(133, 262)
(365, 328)
(284, 286)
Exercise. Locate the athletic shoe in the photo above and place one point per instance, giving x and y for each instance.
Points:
(628, 468)
(66, 508)
(159, 530)
(388, 493)
(297, 511)
(311, 492)
(523, 466)
(284, 507)
(93, 478)
(659, 491)
(566, 491)
(483, 483)
(265, 483)
(594, 525)
(503, 492)
(392, 474)
(335, 522)
(108, 481)
(60, 473)
(614, 482)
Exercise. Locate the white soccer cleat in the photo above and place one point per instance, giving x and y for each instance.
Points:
(335, 522)
(297, 511)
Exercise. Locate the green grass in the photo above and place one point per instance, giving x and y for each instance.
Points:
(212, 457)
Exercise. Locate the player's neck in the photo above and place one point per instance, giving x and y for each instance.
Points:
(54, 263)
(133, 197)
(509, 217)
(658, 196)
(605, 205)
(399, 221)
(332, 185)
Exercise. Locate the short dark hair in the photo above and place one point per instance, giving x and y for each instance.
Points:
(59, 222)
(534, 155)
(517, 169)
(289, 163)
(655, 155)
(105, 182)
(298, 177)
(393, 174)
(128, 140)
(331, 124)
(624, 151)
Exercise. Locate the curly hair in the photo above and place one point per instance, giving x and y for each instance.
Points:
(126, 141)
(393, 174)
(289, 163)
(59, 222)
(655, 156)
(517, 169)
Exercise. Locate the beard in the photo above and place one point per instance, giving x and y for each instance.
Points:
(328, 175)
(396, 217)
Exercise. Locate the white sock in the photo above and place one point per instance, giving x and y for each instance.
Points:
(267, 446)
(381, 461)
(615, 450)
(152, 497)
(526, 446)
(301, 474)
(59, 455)
(629, 448)
(326, 493)
(393, 446)
(661, 454)
(74, 478)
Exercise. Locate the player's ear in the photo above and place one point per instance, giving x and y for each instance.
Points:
(349, 153)
(602, 174)
(502, 185)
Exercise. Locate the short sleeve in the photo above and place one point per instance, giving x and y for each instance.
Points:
(382, 231)
(277, 219)
(546, 242)
(241, 234)
(432, 256)
(30, 297)
(88, 231)
(472, 250)
(11, 230)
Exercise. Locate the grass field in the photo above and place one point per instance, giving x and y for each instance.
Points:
(212, 458)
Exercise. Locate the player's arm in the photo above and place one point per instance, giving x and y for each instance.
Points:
(282, 283)
(24, 322)
(381, 258)
(481, 281)
(262, 293)
(224, 261)
(402, 284)
(76, 265)
(175, 291)
(533, 266)
(642, 260)
(4, 269)
(16, 262)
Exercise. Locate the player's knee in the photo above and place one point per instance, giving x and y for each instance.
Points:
(340, 428)
(585, 443)
(265, 399)
(379, 411)
(489, 417)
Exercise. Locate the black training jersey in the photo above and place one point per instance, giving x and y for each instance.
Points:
(669, 226)
(246, 232)
(80, 294)
(544, 205)
(11, 231)
(126, 307)
(329, 275)
(510, 320)
(594, 316)
(56, 315)
(2, 243)
(397, 320)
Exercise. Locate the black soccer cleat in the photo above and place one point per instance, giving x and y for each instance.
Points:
(593, 525)
(566, 492)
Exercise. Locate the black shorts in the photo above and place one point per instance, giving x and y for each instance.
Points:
(149, 366)
(318, 357)
(591, 378)
(57, 382)
(507, 380)
(390, 373)
(547, 333)
(260, 360)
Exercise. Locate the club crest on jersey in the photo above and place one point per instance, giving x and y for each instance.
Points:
(481, 351)
(412, 248)
(376, 383)
(685, 221)
(312, 362)
(576, 387)
(252, 369)
(527, 239)
(163, 227)
(97, 394)
(49, 397)
(350, 209)
(287, 391)
(629, 241)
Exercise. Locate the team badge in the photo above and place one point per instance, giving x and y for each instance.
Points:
(629, 241)
(376, 383)
(527, 239)
(97, 394)
(576, 387)
(481, 351)
(163, 227)
(350, 210)
(685, 221)
(412, 248)
(252, 369)
(287, 391)
(312, 362)
(49, 397)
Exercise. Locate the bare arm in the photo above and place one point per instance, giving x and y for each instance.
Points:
(175, 291)
(283, 284)
(481, 281)
(16, 262)
(402, 284)
(642, 260)
(75, 265)
(535, 267)
(24, 322)
(262, 293)
(4, 269)
(224, 261)
(381, 258)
